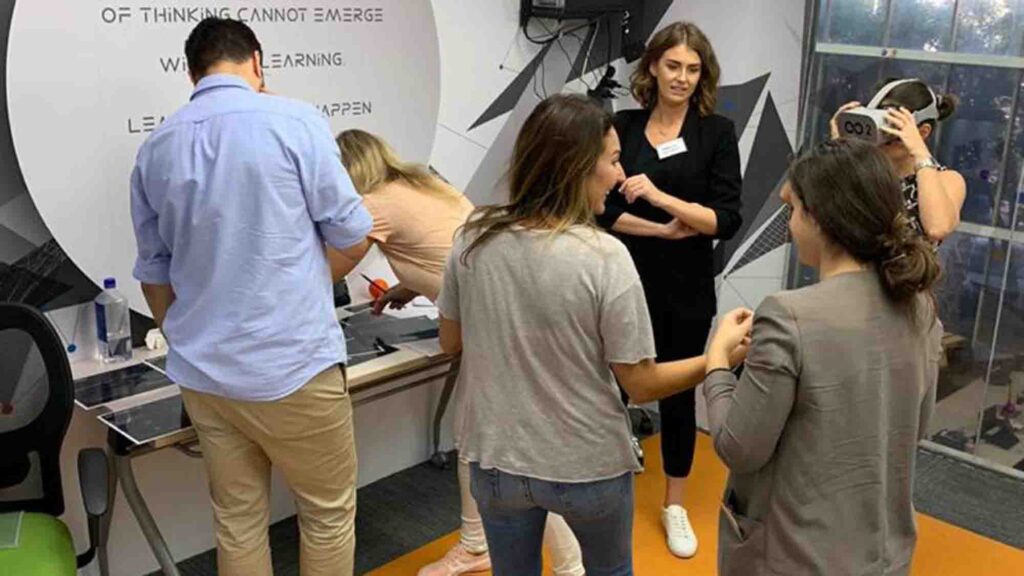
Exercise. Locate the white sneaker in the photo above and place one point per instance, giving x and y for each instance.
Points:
(682, 541)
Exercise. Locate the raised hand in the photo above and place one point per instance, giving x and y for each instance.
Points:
(833, 124)
(903, 125)
(732, 337)
(640, 186)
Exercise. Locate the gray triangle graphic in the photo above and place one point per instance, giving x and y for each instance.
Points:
(20, 216)
(511, 95)
(737, 102)
(774, 235)
(608, 31)
(766, 167)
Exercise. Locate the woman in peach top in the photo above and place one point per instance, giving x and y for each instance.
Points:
(415, 216)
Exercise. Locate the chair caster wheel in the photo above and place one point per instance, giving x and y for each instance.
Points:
(440, 460)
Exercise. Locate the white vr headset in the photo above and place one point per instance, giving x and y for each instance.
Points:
(865, 122)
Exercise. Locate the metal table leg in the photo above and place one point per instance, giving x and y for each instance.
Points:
(440, 459)
(102, 556)
(125, 475)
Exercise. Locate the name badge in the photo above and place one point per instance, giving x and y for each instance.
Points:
(671, 148)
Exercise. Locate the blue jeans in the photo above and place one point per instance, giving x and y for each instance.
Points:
(514, 509)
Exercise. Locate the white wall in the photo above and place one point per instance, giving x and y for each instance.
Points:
(107, 75)
(481, 51)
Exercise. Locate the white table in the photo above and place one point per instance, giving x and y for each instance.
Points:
(408, 367)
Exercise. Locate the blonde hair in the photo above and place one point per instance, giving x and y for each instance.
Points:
(556, 150)
(644, 85)
(371, 163)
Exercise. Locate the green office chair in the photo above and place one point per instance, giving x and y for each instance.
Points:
(36, 403)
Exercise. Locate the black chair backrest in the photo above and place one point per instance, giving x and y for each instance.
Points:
(36, 404)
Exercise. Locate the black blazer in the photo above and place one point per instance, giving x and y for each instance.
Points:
(678, 275)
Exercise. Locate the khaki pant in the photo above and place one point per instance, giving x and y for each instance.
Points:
(308, 436)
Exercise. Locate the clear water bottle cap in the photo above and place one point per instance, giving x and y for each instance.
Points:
(109, 283)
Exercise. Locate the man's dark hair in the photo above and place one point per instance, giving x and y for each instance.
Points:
(217, 39)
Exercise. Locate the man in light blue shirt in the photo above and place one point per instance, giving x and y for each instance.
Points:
(235, 200)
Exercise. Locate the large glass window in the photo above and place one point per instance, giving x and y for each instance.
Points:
(974, 141)
(922, 25)
(841, 79)
(972, 49)
(989, 26)
(855, 21)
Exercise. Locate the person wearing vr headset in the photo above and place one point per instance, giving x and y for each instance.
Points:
(900, 118)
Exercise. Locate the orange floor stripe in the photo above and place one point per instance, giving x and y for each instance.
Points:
(942, 549)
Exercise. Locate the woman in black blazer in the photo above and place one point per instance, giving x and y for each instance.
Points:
(681, 194)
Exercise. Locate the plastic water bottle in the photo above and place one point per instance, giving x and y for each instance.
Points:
(113, 324)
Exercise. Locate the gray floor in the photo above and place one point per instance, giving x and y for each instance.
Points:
(396, 515)
(414, 507)
(977, 499)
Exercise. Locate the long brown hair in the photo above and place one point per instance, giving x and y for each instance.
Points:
(556, 150)
(644, 85)
(851, 190)
(371, 163)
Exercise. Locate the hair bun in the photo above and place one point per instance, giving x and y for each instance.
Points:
(908, 264)
(899, 238)
(947, 105)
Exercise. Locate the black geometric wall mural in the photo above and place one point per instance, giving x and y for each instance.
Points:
(35, 272)
(768, 158)
(737, 102)
(45, 278)
(41, 273)
(605, 35)
(604, 38)
(774, 235)
(766, 167)
(27, 279)
(511, 95)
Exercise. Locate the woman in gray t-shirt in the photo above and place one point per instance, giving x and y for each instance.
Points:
(548, 311)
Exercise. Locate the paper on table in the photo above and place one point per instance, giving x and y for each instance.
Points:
(418, 307)
(427, 347)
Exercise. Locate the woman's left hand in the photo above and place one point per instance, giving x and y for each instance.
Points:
(640, 186)
(903, 125)
(733, 331)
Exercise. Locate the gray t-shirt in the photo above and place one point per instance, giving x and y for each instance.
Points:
(542, 317)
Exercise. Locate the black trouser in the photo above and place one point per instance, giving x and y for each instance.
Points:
(675, 340)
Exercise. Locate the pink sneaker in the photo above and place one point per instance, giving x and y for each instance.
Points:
(457, 561)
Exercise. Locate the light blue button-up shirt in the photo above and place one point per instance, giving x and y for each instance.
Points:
(232, 199)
